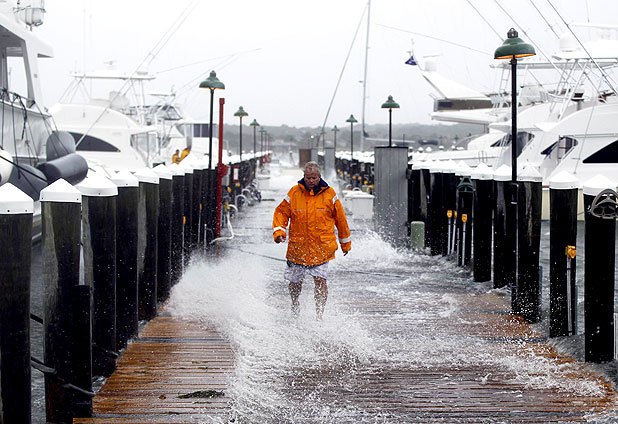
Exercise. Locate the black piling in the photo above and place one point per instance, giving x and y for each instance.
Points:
(148, 219)
(61, 212)
(436, 212)
(178, 202)
(197, 205)
(600, 251)
(425, 201)
(504, 257)
(415, 192)
(188, 215)
(82, 353)
(16, 209)
(483, 205)
(465, 197)
(126, 257)
(529, 243)
(99, 250)
(212, 231)
(563, 190)
(449, 199)
(164, 231)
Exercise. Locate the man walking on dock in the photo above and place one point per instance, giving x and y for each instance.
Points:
(313, 210)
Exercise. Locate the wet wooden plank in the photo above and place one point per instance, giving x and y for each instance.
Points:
(174, 357)
(170, 359)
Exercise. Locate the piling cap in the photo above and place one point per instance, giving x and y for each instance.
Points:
(449, 167)
(564, 180)
(13, 201)
(176, 170)
(463, 170)
(530, 174)
(162, 171)
(194, 161)
(597, 184)
(61, 191)
(418, 164)
(482, 172)
(124, 179)
(186, 167)
(436, 167)
(503, 173)
(147, 175)
(97, 185)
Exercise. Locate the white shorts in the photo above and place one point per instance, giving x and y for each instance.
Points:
(295, 272)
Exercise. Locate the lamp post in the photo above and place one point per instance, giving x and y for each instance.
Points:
(390, 104)
(212, 83)
(335, 130)
(240, 113)
(351, 120)
(513, 48)
(254, 124)
(262, 132)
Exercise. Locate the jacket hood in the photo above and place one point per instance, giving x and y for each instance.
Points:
(321, 186)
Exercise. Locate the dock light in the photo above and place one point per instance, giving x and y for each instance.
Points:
(390, 104)
(351, 120)
(240, 113)
(513, 48)
(254, 124)
(335, 130)
(262, 136)
(212, 83)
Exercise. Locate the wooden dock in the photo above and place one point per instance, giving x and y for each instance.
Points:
(175, 372)
(178, 372)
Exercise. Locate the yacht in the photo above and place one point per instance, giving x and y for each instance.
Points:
(32, 152)
(107, 131)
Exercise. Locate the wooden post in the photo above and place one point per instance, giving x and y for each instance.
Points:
(465, 197)
(563, 189)
(529, 243)
(434, 214)
(449, 195)
(16, 209)
(164, 243)
(61, 209)
(599, 280)
(504, 264)
(99, 246)
(178, 203)
(482, 179)
(148, 219)
(187, 213)
(196, 205)
(126, 257)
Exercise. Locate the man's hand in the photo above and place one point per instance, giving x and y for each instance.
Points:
(280, 239)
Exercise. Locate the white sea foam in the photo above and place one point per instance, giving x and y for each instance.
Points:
(384, 312)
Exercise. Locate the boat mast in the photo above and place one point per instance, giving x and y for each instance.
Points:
(362, 135)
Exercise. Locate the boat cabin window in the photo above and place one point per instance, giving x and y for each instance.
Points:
(201, 130)
(560, 148)
(92, 144)
(608, 154)
(523, 138)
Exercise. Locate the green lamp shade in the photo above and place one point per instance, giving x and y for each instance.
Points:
(241, 112)
(254, 123)
(351, 119)
(390, 104)
(513, 46)
(212, 82)
(335, 129)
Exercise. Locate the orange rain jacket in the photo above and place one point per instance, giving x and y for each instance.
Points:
(314, 215)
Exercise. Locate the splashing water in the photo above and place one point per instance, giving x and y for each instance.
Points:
(384, 317)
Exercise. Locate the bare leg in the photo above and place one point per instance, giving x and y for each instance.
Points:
(320, 294)
(295, 289)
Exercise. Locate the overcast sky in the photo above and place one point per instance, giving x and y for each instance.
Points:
(281, 59)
